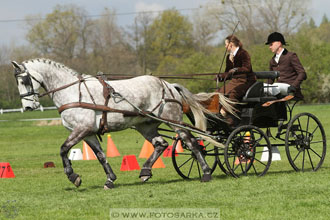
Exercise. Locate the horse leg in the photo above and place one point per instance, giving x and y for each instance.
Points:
(94, 143)
(73, 139)
(150, 133)
(193, 145)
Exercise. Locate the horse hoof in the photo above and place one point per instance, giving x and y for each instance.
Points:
(75, 179)
(206, 178)
(145, 178)
(145, 174)
(108, 185)
(77, 182)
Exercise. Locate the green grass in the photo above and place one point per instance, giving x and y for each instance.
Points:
(39, 193)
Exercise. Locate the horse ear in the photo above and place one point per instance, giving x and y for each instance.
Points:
(16, 65)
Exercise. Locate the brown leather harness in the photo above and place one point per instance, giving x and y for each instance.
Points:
(108, 92)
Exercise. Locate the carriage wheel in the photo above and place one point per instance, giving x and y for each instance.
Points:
(185, 162)
(305, 142)
(248, 151)
(222, 161)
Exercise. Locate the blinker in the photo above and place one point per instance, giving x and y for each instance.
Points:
(26, 80)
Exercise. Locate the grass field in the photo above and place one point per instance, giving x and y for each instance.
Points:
(39, 193)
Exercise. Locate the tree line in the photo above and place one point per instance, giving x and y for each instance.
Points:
(172, 43)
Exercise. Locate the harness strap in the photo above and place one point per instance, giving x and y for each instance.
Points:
(163, 101)
(89, 93)
(79, 86)
(107, 91)
(95, 107)
(167, 88)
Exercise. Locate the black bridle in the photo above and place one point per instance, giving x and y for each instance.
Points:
(27, 82)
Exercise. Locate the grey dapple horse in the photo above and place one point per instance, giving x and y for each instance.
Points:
(144, 93)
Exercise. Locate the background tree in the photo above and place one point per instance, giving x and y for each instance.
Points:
(63, 35)
(171, 40)
(142, 40)
(111, 52)
(205, 31)
(259, 18)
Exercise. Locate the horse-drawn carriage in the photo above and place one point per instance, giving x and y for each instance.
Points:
(248, 149)
(90, 106)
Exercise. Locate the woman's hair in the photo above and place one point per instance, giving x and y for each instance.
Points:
(234, 40)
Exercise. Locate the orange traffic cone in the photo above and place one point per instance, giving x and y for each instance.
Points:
(129, 162)
(242, 159)
(146, 150)
(168, 152)
(6, 171)
(111, 148)
(159, 163)
(178, 147)
(88, 154)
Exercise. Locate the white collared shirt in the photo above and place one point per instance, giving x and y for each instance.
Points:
(277, 56)
(235, 52)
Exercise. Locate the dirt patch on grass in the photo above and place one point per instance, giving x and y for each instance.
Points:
(49, 122)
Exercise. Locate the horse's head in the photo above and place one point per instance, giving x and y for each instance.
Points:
(28, 86)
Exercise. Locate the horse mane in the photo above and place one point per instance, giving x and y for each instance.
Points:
(53, 63)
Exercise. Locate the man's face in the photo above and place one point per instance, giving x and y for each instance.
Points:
(275, 46)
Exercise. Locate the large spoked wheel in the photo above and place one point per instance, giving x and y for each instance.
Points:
(305, 142)
(185, 162)
(221, 161)
(248, 152)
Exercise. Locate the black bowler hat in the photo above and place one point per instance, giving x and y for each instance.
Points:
(275, 37)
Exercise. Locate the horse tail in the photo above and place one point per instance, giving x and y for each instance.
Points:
(224, 102)
(199, 111)
(194, 103)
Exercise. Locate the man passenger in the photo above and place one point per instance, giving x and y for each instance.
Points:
(292, 73)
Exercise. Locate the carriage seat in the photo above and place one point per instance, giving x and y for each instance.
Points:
(267, 74)
(256, 92)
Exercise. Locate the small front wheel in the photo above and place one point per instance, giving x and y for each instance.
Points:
(248, 151)
(185, 162)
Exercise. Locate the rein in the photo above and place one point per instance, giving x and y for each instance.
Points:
(63, 87)
(128, 76)
(173, 76)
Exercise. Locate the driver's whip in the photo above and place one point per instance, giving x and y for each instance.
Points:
(223, 59)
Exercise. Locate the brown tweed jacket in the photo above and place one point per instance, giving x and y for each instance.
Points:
(242, 79)
(291, 70)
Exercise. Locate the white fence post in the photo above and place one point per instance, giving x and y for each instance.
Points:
(2, 111)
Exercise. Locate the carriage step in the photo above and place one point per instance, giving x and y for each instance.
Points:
(286, 98)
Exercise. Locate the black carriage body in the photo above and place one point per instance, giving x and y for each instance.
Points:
(252, 111)
(263, 117)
